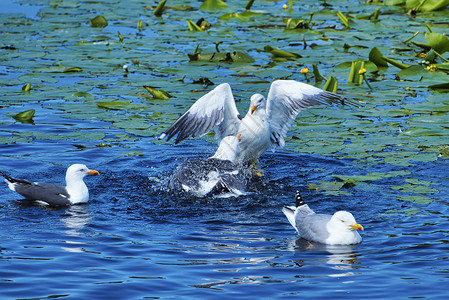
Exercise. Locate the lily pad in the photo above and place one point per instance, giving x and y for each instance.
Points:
(157, 93)
(277, 53)
(25, 116)
(99, 22)
(438, 42)
(213, 5)
(119, 105)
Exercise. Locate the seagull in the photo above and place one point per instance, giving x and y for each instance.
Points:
(53, 194)
(337, 229)
(217, 174)
(266, 123)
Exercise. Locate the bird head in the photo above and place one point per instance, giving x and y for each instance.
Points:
(257, 100)
(346, 221)
(79, 171)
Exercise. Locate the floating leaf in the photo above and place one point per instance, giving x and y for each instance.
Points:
(373, 176)
(326, 186)
(413, 188)
(25, 116)
(83, 95)
(426, 5)
(281, 53)
(99, 22)
(438, 42)
(381, 61)
(157, 93)
(119, 105)
(120, 36)
(72, 70)
(413, 73)
(295, 23)
(213, 5)
(415, 199)
(232, 57)
(243, 16)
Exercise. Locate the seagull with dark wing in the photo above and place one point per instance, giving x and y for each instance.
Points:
(266, 123)
(53, 194)
(216, 175)
(337, 229)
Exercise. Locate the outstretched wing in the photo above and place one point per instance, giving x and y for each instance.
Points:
(286, 99)
(216, 110)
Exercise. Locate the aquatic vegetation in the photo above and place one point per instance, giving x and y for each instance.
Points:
(138, 79)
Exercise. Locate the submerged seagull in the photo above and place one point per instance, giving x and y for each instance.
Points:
(217, 174)
(264, 126)
(337, 229)
(53, 194)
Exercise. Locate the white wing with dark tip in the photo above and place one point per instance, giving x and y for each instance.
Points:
(215, 110)
(286, 99)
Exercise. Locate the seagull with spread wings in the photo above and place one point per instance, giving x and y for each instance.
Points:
(266, 123)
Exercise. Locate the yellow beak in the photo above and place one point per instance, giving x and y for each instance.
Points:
(93, 172)
(254, 107)
(239, 136)
(356, 226)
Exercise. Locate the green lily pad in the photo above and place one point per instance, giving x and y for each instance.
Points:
(415, 199)
(25, 116)
(99, 22)
(438, 42)
(213, 5)
(277, 53)
(428, 5)
(413, 188)
(119, 105)
(244, 16)
(381, 61)
(157, 93)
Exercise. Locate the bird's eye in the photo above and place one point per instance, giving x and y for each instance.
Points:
(342, 221)
(82, 170)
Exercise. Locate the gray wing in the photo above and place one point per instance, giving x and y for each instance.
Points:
(313, 227)
(232, 180)
(287, 98)
(51, 193)
(192, 171)
(216, 110)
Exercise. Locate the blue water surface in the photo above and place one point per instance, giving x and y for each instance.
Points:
(135, 239)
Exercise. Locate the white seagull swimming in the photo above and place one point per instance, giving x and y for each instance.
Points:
(217, 174)
(337, 229)
(53, 194)
(266, 123)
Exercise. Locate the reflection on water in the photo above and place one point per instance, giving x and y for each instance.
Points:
(76, 218)
(339, 257)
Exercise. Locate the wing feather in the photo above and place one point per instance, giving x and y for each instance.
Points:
(215, 110)
(287, 98)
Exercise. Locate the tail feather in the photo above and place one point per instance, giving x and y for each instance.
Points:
(289, 212)
(13, 181)
(299, 199)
